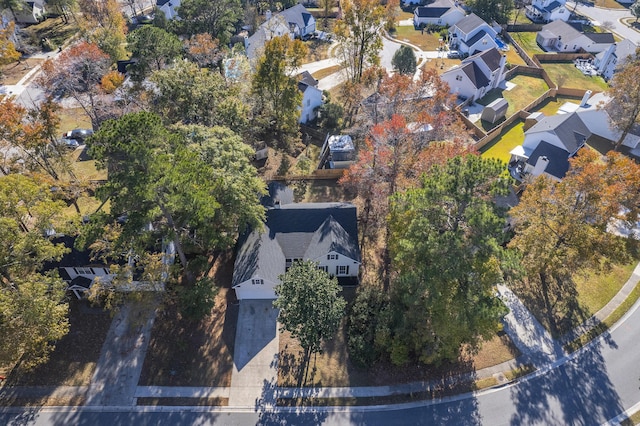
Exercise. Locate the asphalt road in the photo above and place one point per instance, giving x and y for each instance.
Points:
(596, 385)
(612, 16)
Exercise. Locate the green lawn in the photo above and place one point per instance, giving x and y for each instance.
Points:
(565, 74)
(526, 90)
(424, 41)
(513, 57)
(595, 291)
(527, 40)
(511, 137)
(551, 105)
(54, 29)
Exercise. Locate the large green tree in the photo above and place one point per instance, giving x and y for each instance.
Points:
(153, 48)
(278, 99)
(311, 307)
(561, 227)
(624, 107)
(446, 238)
(358, 34)
(217, 18)
(493, 10)
(192, 95)
(404, 60)
(33, 313)
(195, 185)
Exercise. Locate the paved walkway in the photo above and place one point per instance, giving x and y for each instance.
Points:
(118, 371)
(255, 367)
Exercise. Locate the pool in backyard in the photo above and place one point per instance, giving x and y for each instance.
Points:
(501, 44)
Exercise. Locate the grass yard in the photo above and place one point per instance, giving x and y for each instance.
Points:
(551, 105)
(12, 73)
(426, 41)
(513, 57)
(74, 358)
(324, 191)
(609, 4)
(403, 16)
(332, 367)
(595, 291)
(441, 65)
(527, 89)
(318, 50)
(54, 29)
(72, 118)
(511, 137)
(195, 353)
(86, 170)
(326, 72)
(565, 74)
(527, 40)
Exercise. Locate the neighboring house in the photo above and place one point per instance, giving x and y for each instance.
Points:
(495, 111)
(296, 22)
(31, 13)
(612, 59)
(169, 8)
(326, 233)
(274, 26)
(476, 75)
(311, 97)
(547, 11)
(441, 12)
(472, 34)
(563, 37)
(80, 272)
(301, 23)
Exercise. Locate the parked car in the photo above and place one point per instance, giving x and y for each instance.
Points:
(453, 54)
(68, 143)
(78, 134)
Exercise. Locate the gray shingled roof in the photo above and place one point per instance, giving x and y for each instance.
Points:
(558, 159)
(297, 15)
(431, 12)
(297, 231)
(569, 128)
(307, 78)
(553, 6)
(562, 29)
(491, 57)
(601, 37)
(469, 23)
(625, 48)
(475, 74)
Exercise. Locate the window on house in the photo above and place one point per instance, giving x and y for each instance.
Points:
(257, 281)
(308, 102)
(459, 77)
(342, 270)
(332, 257)
(324, 268)
(83, 271)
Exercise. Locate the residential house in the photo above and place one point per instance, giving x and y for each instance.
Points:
(296, 22)
(547, 11)
(302, 24)
(563, 37)
(477, 74)
(31, 13)
(326, 233)
(311, 97)
(614, 57)
(440, 12)
(169, 8)
(471, 35)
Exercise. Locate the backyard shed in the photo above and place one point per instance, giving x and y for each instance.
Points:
(495, 111)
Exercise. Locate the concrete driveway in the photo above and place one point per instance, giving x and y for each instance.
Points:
(255, 371)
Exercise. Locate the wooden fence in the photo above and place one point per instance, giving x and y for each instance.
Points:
(524, 28)
(321, 174)
(523, 54)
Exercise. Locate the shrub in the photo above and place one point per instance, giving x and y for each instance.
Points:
(365, 318)
(196, 301)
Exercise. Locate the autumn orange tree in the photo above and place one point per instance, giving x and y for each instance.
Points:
(8, 52)
(561, 227)
(78, 73)
(103, 24)
(624, 107)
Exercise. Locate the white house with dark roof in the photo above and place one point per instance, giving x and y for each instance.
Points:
(477, 74)
(614, 57)
(471, 35)
(563, 37)
(326, 233)
(547, 11)
(440, 12)
(275, 26)
(311, 97)
(302, 24)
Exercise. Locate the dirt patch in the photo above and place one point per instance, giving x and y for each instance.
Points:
(197, 402)
(44, 401)
(74, 358)
(195, 353)
(12, 73)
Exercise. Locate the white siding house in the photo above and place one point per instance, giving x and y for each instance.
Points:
(614, 57)
(169, 8)
(311, 97)
(562, 37)
(477, 74)
(471, 35)
(547, 11)
(442, 12)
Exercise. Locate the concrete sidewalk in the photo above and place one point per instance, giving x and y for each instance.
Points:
(529, 336)
(116, 377)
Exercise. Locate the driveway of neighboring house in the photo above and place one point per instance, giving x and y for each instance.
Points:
(255, 370)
